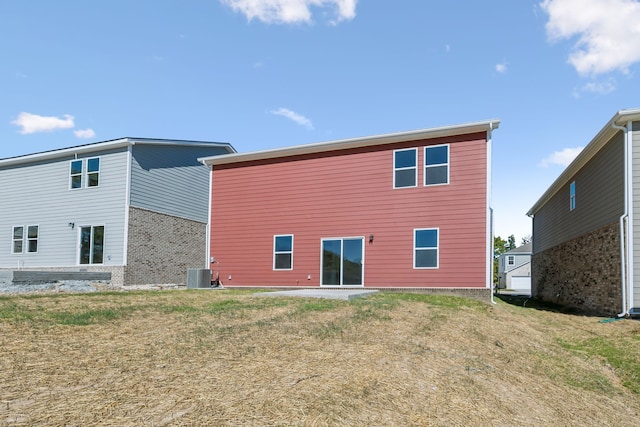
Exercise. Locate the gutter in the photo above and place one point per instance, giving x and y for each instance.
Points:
(626, 251)
(490, 248)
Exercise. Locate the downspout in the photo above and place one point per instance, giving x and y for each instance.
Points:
(208, 240)
(625, 250)
(490, 247)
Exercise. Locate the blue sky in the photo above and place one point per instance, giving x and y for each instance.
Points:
(270, 73)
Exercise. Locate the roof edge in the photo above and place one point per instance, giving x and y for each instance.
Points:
(588, 152)
(107, 145)
(342, 144)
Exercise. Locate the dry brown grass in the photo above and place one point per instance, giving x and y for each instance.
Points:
(230, 358)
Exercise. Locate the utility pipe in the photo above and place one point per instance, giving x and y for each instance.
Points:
(624, 246)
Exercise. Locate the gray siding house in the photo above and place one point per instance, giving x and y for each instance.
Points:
(514, 269)
(134, 207)
(586, 226)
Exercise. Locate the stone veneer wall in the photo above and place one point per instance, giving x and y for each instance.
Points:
(583, 273)
(161, 248)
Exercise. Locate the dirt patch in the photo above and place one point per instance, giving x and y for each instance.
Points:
(229, 358)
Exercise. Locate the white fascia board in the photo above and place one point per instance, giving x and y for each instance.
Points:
(595, 145)
(345, 144)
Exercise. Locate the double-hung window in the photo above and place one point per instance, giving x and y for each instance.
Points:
(84, 173)
(405, 168)
(511, 260)
(436, 161)
(572, 196)
(425, 248)
(283, 252)
(24, 239)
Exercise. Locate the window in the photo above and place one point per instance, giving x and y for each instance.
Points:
(76, 174)
(18, 235)
(425, 248)
(93, 172)
(32, 238)
(436, 160)
(343, 262)
(22, 242)
(283, 252)
(405, 165)
(511, 260)
(572, 196)
(91, 244)
(90, 176)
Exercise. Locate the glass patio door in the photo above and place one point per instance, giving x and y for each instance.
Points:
(91, 244)
(342, 262)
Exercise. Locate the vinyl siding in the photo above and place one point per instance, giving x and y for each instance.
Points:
(636, 214)
(170, 180)
(38, 194)
(599, 200)
(350, 194)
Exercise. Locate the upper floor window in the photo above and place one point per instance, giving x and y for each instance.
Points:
(76, 174)
(572, 196)
(405, 168)
(84, 173)
(436, 161)
(283, 252)
(425, 248)
(511, 260)
(24, 242)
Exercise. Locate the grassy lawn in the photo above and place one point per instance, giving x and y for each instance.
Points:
(201, 357)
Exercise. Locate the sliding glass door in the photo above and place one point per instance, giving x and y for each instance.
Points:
(342, 261)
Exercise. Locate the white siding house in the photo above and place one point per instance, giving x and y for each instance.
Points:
(514, 269)
(136, 208)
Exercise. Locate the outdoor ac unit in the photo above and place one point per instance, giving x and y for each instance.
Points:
(198, 278)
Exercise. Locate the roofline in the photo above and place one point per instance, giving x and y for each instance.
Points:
(595, 145)
(343, 144)
(107, 145)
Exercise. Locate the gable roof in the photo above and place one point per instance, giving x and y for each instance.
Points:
(597, 143)
(524, 249)
(106, 145)
(344, 144)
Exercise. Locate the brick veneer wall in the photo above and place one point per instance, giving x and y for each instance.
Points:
(161, 248)
(583, 273)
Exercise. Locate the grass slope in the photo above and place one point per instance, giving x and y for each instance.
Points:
(230, 358)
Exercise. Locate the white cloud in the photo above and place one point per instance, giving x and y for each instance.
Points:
(291, 11)
(33, 123)
(502, 67)
(84, 133)
(607, 32)
(601, 88)
(562, 158)
(292, 115)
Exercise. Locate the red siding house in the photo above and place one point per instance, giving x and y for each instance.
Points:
(404, 210)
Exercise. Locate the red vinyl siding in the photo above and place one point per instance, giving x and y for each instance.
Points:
(350, 193)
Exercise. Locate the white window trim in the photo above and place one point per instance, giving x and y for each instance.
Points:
(437, 248)
(79, 244)
(13, 240)
(415, 168)
(84, 173)
(572, 196)
(25, 239)
(511, 260)
(342, 239)
(81, 174)
(448, 164)
(282, 252)
(98, 172)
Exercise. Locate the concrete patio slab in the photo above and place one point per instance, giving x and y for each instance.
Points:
(343, 294)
